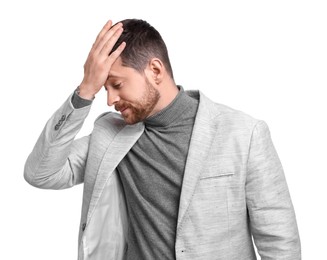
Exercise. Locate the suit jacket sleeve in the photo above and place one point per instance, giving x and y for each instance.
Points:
(272, 218)
(57, 160)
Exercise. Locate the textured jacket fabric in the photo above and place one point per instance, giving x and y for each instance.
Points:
(234, 188)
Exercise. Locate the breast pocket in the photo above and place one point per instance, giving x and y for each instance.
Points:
(209, 209)
(216, 176)
(212, 190)
(215, 173)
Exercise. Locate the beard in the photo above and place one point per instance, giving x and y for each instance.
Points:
(140, 109)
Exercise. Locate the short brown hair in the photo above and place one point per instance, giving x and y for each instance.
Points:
(143, 42)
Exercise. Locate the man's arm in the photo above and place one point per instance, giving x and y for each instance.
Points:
(57, 161)
(272, 217)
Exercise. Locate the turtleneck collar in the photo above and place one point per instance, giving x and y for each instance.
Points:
(170, 113)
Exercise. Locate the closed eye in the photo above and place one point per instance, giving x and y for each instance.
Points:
(116, 86)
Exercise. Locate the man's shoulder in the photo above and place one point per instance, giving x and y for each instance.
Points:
(109, 116)
(225, 113)
(110, 120)
(232, 112)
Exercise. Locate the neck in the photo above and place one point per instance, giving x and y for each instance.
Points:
(175, 112)
(168, 92)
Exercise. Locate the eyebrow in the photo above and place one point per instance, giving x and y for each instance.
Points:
(112, 75)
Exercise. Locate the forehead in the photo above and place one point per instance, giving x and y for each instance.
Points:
(117, 70)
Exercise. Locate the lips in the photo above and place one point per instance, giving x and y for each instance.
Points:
(121, 109)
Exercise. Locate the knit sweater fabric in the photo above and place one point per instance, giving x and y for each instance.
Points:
(152, 174)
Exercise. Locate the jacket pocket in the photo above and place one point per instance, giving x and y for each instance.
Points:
(209, 210)
(216, 173)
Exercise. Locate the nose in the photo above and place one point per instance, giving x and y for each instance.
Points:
(112, 97)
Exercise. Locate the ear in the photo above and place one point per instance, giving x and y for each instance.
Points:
(155, 70)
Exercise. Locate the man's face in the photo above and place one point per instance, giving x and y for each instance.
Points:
(131, 93)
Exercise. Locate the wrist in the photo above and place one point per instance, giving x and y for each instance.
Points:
(84, 92)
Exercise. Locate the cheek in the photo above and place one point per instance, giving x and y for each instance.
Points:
(130, 96)
(134, 88)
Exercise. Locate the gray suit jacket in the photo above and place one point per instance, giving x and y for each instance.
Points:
(233, 190)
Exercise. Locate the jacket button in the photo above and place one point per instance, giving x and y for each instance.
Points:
(83, 226)
(62, 119)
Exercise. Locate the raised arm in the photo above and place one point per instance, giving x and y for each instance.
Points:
(57, 160)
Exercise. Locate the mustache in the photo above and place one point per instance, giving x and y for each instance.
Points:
(122, 105)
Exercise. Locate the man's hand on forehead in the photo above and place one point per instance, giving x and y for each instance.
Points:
(99, 62)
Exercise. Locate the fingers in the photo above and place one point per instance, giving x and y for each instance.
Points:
(99, 62)
(104, 30)
(111, 40)
(114, 56)
(107, 34)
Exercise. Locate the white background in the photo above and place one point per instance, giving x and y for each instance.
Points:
(266, 58)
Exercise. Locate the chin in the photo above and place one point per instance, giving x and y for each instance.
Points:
(134, 118)
(131, 121)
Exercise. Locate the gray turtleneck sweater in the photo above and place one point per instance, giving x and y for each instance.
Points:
(152, 174)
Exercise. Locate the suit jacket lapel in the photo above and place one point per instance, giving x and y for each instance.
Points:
(116, 151)
(203, 133)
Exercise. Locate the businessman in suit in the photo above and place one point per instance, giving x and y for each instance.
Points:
(173, 175)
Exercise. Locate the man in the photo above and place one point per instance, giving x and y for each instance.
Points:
(173, 175)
